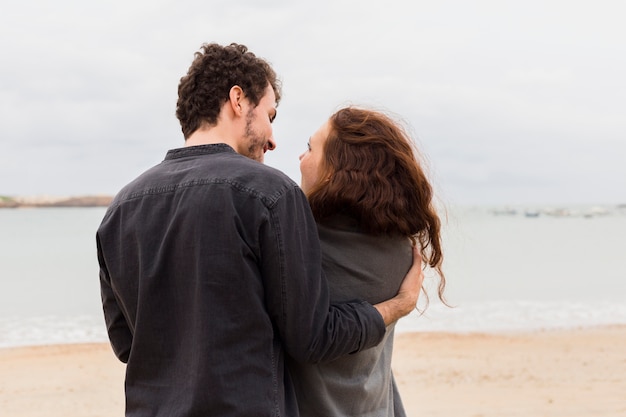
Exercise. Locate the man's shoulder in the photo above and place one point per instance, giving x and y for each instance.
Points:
(227, 168)
(262, 180)
(266, 173)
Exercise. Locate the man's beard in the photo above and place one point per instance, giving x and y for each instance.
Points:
(255, 142)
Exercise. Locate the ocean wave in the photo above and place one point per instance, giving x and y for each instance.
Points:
(498, 316)
(18, 331)
(503, 316)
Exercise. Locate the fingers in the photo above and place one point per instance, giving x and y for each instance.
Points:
(406, 299)
(418, 263)
(415, 276)
(417, 257)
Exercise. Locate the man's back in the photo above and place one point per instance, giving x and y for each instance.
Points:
(199, 286)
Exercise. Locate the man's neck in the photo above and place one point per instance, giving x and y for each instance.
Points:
(209, 136)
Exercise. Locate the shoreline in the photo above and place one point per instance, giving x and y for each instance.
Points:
(568, 372)
(56, 201)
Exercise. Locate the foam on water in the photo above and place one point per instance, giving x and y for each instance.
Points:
(505, 316)
(490, 317)
(51, 330)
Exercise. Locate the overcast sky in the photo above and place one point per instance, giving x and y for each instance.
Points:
(512, 102)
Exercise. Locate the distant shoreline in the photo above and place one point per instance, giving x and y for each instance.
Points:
(50, 201)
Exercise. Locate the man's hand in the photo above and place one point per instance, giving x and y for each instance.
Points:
(406, 299)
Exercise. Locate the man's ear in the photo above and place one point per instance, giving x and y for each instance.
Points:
(235, 99)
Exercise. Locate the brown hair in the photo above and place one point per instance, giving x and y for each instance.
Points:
(371, 173)
(213, 72)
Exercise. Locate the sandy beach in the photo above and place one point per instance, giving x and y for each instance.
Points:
(569, 373)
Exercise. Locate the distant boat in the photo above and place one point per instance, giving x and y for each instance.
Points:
(505, 211)
(532, 213)
(596, 211)
(559, 212)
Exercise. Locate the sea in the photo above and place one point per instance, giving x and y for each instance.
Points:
(507, 269)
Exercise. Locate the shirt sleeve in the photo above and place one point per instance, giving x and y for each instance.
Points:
(297, 295)
(118, 330)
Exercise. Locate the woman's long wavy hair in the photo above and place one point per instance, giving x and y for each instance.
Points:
(369, 171)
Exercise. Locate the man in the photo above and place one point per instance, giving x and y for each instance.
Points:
(210, 261)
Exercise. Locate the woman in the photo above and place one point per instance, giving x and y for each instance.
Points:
(372, 201)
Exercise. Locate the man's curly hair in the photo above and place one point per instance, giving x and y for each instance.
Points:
(213, 72)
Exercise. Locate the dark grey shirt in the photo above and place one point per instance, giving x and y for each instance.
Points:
(210, 274)
(358, 266)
